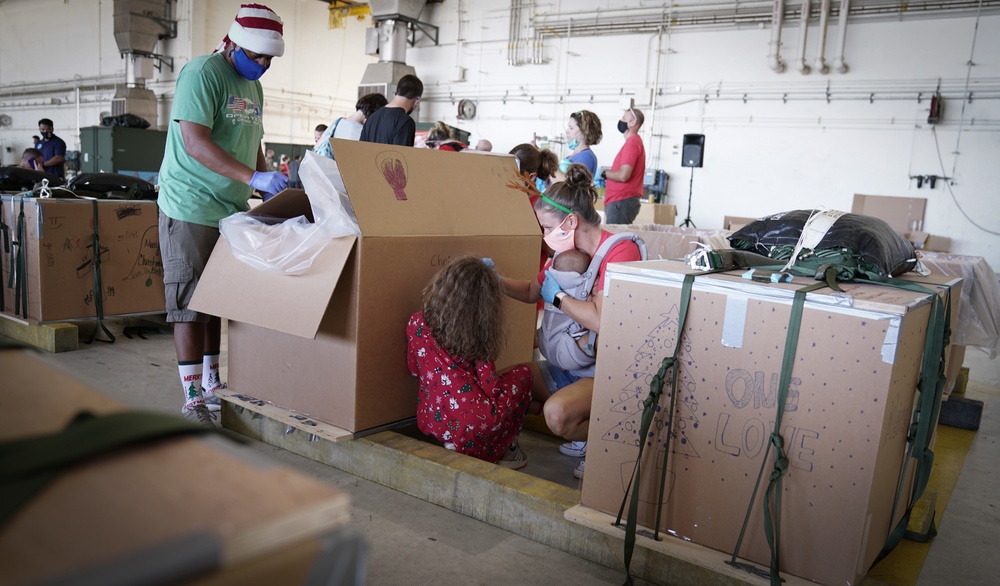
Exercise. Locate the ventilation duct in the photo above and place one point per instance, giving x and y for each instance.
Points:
(388, 39)
(138, 26)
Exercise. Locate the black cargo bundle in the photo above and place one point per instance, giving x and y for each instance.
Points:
(112, 186)
(21, 179)
(875, 246)
(125, 121)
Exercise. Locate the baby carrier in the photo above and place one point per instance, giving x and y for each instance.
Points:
(558, 334)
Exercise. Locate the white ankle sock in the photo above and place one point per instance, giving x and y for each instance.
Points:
(210, 373)
(191, 383)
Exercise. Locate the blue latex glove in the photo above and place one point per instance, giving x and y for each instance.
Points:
(268, 181)
(489, 262)
(564, 165)
(550, 288)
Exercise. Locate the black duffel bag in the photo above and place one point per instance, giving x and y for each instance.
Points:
(14, 178)
(113, 185)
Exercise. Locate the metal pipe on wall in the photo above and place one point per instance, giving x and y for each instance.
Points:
(774, 58)
(824, 18)
(838, 63)
(800, 63)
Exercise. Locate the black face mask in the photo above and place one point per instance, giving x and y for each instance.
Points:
(622, 126)
(46, 135)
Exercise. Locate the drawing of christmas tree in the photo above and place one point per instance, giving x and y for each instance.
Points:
(657, 345)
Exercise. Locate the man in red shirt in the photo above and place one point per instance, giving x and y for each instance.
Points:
(624, 179)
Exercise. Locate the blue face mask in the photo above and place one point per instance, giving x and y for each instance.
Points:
(574, 143)
(246, 66)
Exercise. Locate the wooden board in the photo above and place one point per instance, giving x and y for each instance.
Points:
(287, 416)
(674, 547)
(153, 497)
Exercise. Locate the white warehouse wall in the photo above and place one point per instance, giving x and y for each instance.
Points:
(833, 135)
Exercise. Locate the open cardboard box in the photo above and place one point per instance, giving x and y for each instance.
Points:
(331, 343)
(58, 249)
(845, 423)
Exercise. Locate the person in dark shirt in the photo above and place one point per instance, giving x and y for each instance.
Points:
(53, 149)
(392, 124)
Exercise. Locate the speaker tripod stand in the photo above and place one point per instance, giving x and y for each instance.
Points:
(687, 221)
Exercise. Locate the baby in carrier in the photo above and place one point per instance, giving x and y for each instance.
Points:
(561, 340)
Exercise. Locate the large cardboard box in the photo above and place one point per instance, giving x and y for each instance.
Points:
(850, 401)
(734, 223)
(59, 259)
(175, 510)
(650, 213)
(331, 343)
(666, 242)
(903, 214)
(929, 242)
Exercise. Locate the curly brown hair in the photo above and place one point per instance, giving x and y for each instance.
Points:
(463, 307)
(576, 193)
(590, 126)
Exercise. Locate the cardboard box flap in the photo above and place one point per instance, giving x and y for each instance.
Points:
(292, 304)
(284, 207)
(404, 191)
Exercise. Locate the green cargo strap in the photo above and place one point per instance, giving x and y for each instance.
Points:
(4, 233)
(772, 520)
(930, 387)
(648, 410)
(19, 264)
(98, 286)
(28, 465)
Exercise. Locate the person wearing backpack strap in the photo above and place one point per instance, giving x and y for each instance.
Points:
(569, 220)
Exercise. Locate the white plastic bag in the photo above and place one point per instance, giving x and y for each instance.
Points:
(290, 246)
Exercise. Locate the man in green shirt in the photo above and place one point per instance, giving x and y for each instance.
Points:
(212, 161)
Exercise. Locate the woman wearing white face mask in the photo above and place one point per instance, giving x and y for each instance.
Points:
(568, 219)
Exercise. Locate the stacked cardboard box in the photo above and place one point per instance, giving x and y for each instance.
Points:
(331, 343)
(845, 421)
(58, 257)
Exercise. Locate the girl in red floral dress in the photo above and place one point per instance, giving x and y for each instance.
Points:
(453, 343)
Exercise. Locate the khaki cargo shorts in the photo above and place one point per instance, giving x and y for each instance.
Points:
(184, 250)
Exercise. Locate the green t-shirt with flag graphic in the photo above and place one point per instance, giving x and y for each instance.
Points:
(209, 92)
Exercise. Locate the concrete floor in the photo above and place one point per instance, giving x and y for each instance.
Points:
(416, 543)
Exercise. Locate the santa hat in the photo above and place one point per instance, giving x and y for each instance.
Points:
(257, 28)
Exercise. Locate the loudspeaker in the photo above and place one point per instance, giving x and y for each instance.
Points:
(693, 151)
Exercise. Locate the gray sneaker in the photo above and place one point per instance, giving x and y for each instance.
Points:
(213, 401)
(199, 414)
